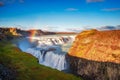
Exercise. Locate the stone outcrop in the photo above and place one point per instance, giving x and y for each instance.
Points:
(12, 31)
(6, 74)
(95, 55)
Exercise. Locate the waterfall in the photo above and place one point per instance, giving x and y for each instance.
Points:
(50, 58)
(48, 50)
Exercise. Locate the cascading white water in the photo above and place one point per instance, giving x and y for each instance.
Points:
(49, 50)
(50, 58)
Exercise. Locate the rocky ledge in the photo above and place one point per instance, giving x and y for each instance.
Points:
(95, 55)
(7, 74)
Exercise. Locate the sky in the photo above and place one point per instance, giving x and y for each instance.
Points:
(59, 15)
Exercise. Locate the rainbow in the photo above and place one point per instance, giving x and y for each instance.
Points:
(32, 34)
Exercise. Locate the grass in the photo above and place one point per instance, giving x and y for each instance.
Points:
(27, 67)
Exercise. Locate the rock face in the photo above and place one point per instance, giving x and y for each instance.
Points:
(12, 31)
(95, 55)
(49, 50)
(6, 74)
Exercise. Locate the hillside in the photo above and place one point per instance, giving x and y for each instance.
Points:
(31, 32)
(17, 65)
(97, 45)
(95, 55)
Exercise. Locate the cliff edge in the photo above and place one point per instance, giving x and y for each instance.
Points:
(95, 55)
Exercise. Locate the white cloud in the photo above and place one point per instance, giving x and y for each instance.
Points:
(71, 9)
(109, 28)
(75, 29)
(111, 9)
(90, 1)
(50, 28)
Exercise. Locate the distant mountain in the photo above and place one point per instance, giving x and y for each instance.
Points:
(8, 33)
(12, 31)
(39, 32)
(109, 28)
(5, 32)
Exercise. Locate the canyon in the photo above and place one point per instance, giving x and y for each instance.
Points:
(92, 54)
(95, 55)
(50, 50)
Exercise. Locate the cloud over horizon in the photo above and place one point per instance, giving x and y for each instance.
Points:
(109, 28)
(75, 29)
(50, 28)
(102, 28)
(111, 9)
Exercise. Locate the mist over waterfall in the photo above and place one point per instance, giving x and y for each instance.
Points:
(49, 50)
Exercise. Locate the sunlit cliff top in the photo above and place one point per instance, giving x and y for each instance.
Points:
(97, 45)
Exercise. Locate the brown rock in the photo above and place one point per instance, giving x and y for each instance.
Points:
(97, 45)
(95, 55)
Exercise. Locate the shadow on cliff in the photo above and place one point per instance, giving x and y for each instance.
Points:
(94, 70)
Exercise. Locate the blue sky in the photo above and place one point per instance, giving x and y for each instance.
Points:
(59, 15)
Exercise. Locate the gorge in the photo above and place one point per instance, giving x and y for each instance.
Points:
(91, 54)
(95, 55)
(50, 50)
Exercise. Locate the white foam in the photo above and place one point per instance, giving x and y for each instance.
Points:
(49, 52)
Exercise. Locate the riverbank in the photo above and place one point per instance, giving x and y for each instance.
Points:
(27, 67)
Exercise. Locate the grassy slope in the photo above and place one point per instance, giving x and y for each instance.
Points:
(27, 66)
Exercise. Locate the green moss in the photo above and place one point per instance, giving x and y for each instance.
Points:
(27, 67)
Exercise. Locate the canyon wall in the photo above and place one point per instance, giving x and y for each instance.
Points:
(95, 55)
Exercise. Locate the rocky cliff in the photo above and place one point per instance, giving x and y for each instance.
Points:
(12, 31)
(9, 33)
(6, 73)
(95, 55)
